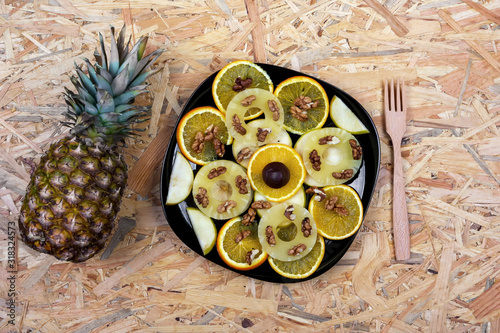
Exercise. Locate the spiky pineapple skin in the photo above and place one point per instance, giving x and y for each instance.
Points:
(72, 199)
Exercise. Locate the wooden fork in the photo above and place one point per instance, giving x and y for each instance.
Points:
(395, 123)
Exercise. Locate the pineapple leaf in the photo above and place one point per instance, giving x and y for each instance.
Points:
(90, 108)
(142, 46)
(84, 79)
(106, 102)
(120, 82)
(145, 62)
(128, 96)
(143, 77)
(91, 70)
(103, 57)
(105, 74)
(129, 65)
(114, 56)
(102, 83)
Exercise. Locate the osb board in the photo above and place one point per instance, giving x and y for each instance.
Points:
(447, 51)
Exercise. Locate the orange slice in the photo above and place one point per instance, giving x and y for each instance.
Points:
(201, 121)
(236, 77)
(236, 249)
(337, 223)
(304, 267)
(304, 102)
(276, 171)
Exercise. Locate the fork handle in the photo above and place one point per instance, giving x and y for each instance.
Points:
(401, 225)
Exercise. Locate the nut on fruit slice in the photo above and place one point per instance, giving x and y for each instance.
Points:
(304, 102)
(202, 135)
(250, 99)
(243, 149)
(340, 214)
(287, 232)
(238, 76)
(305, 267)
(221, 189)
(344, 118)
(299, 198)
(331, 155)
(238, 245)
(204, 228)
(276, 171)
(181, 180)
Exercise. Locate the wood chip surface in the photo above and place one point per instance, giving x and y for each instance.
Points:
(448, 54)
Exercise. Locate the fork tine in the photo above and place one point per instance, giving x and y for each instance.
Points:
(403, 96)
(386, 97)
(393, 107)
(398, 97)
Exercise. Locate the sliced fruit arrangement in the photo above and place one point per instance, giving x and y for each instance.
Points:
(236, 77)
(221, 189)
(238, 245)
(243, 149)
(251, 99)
(287, 232)
(181, 180)
(304, 102)
(204, 228)
(344, 118)
(305, 267)
(261, 195)
(337, 210)
(331, 155)
(276, 171)
(202, 135)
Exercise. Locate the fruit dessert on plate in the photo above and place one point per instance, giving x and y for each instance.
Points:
(272, 169)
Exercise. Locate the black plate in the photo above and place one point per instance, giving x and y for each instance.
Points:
(364, 182)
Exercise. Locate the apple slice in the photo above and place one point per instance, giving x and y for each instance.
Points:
(204, 228)
(181, 180)
(344, 118)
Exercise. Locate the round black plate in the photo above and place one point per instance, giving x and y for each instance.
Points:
(364, 182)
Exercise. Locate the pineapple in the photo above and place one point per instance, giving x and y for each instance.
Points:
(75, 192)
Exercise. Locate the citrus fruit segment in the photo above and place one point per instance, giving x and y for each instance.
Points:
(287, 232)
(299, 198)
(304, 102)
(254, 98)
(181, 180)
(243, 149)
(236, 77)
(204, 228)
(305, 267)
(238, 245)
(221, 190)
(331, 155)
(344, 118)
(202, 134)
(276, 171)
(340, 214)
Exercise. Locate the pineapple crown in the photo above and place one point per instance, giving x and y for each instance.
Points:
(102, 109)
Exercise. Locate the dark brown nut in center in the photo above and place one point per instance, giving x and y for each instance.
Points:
(242, 235)
(247, 101)
(273, 106)
(315, 160)
(306, 227)
(297, 249)
(242, 84)
(237, 125)
(346, 174)
(270, 236)
(262, 134)
(241, 184)
(216, 172)
(202, 197)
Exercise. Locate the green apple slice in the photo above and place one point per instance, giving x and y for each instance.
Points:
(181, 180)
(344, 118)
(204, 228)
